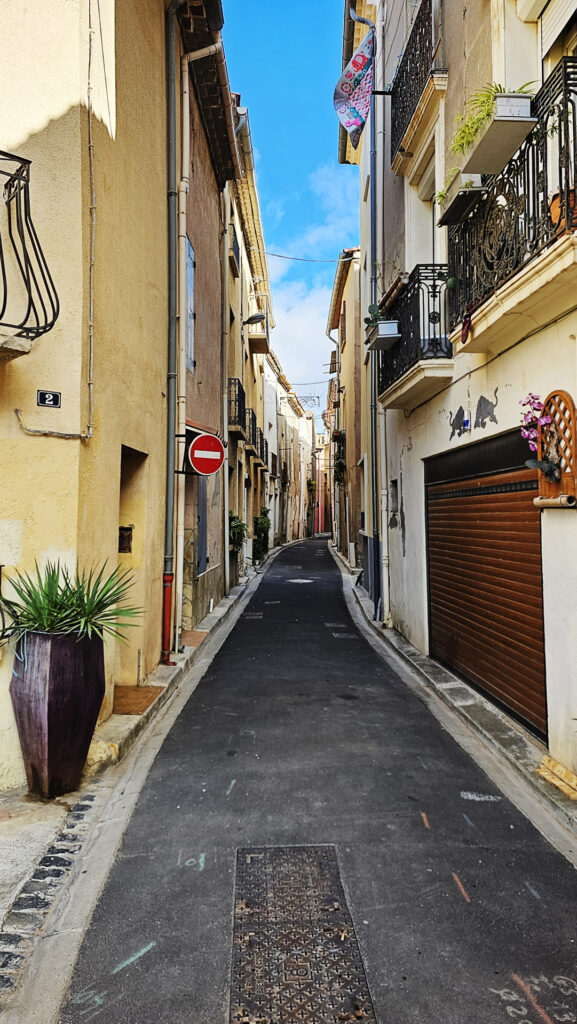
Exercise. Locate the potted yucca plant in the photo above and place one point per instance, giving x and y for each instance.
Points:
(58, 624)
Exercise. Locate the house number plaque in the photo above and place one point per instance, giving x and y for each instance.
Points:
(49, 398)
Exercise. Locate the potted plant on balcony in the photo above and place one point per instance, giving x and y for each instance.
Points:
(381, 332)
(58, 624)
(460, 193)
(494, 125)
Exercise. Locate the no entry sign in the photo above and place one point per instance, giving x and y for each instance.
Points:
(206, 454)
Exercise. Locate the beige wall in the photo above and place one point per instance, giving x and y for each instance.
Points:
(62, 498)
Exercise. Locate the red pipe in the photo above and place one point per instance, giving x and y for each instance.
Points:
(167, 582)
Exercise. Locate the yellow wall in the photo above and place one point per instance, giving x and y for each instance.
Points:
(62, 498)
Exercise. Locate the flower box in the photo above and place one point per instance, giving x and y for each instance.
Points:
(463, 194)
(383, 335)
(500, 139)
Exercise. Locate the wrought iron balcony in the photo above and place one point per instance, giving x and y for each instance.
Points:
(251, 428)
(264, 451)
(527, 206)
(29, 304)
(236, 406)
(422, 312)
(419, 61)
(260, 443)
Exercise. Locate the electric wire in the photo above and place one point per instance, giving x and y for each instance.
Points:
(300, 259)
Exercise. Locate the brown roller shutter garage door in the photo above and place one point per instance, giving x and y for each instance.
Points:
(485, 586)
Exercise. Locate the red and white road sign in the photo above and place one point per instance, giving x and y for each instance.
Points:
(206, 454)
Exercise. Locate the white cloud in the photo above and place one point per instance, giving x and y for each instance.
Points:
(332, 204)
(299, 338)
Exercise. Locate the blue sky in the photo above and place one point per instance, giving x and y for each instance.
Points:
(285, 65)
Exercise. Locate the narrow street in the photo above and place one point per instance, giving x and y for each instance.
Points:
(300, 735)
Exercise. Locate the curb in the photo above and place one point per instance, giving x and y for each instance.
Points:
(519, 748)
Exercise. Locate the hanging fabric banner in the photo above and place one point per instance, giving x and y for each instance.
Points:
(353, 90)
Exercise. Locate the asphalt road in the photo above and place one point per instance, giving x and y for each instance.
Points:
(300, 734)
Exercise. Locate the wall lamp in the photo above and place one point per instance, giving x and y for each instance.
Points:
(256, 318)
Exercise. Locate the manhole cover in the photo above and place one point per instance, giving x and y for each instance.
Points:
(295, 953)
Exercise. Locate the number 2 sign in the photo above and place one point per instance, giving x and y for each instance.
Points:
(49, 398)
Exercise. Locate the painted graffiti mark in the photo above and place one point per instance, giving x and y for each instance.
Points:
(192, 862)
(425, 819)
(457, 423)
(90, 998)
(486, 410)
(231, 787)
(470, 823)
(539, 1009)
(481, 798)
(461, 887)
(532, 891)
(132, 959)
(553, 991)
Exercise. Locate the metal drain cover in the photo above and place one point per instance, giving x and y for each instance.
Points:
(296, 958)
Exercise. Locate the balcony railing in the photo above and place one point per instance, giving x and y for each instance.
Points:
(527, 206)
(412, 74)
(236, 406)
(264, 451)
(259, 443)
(251, 428)
(28, 301)
(422, 312)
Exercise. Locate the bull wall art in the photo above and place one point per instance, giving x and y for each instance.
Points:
(485, 412)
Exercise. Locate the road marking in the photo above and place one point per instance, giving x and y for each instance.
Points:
(532, 891)
(425, 819)
(346, 636)
(461, 887)
(131, 959)
(336, 625)
(468, 820)
(272, 602)
(300, 581)
(481, 798)
(525, 988)
(200, 454)
(231, 787)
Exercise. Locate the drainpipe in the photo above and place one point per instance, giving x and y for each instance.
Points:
(385, 556)
(168, 573)
(373, 355)
(385, 571)
(225, 210)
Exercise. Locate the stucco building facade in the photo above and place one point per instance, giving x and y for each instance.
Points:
(474, 261)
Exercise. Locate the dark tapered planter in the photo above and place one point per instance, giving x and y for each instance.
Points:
(57, 688)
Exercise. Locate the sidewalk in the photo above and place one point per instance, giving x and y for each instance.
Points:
(30, 828)
(519, 748)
